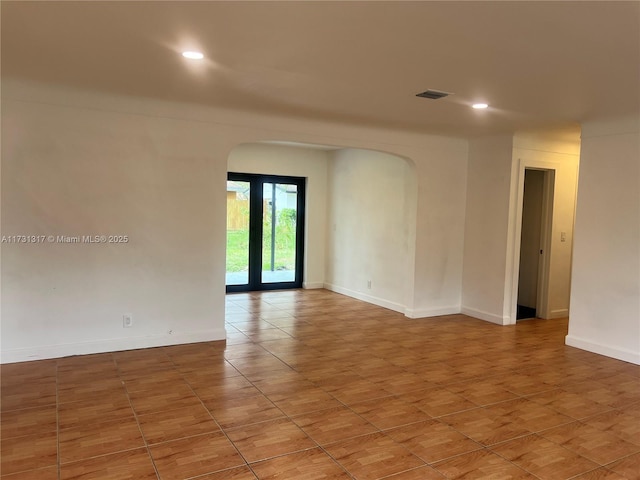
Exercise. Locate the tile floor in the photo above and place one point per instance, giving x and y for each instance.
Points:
(314, 385)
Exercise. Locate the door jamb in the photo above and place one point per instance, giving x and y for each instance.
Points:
(544, 262)
(542, 304)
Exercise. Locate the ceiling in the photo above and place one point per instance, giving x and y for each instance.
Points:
(538, 64)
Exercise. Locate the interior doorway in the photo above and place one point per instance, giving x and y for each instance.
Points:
(265, 232)
(534, 244)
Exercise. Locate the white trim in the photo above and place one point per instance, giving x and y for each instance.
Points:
(312, 285)
(546, 229)
(112, 345)
(512, 263)
(602, 349)
(515, 230)
(431, 312)
(486, 316)
(560, 313)
(396, 307)
(381, 302)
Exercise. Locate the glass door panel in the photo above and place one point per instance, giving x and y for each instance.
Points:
(265, 232)
(238, 197)
(280, 203)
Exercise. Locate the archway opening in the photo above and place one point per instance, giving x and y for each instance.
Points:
(360, 215)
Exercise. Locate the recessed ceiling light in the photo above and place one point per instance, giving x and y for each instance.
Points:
(479, 106)
(193, 55)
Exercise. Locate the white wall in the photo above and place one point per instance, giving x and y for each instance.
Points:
(486, 228)
(310, 163)
(371, 235)
(440, 224)
(76, 162)
(605, 289)
(493, 220)
(71, 171)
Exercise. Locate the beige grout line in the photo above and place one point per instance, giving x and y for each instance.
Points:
(135, 415)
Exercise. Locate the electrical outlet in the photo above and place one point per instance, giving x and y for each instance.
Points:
(369, 284)
(127, 320)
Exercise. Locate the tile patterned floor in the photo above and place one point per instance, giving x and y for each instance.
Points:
(314, 385)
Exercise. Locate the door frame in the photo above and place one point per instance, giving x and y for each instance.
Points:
(256, 213)
(544, 246)
(511, 295)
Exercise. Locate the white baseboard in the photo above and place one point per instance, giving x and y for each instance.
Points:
(432, 312)
(111, 345)
(560, 313)
(396, 307)
(602, 349)
(486, 316)
(381, 302)
(312, 285)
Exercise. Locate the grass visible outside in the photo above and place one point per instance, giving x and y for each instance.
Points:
(237, 250)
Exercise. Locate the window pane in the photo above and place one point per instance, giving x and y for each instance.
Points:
(279, 232)
(237, 233)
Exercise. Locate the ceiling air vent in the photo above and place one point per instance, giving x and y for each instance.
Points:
(433, 94)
